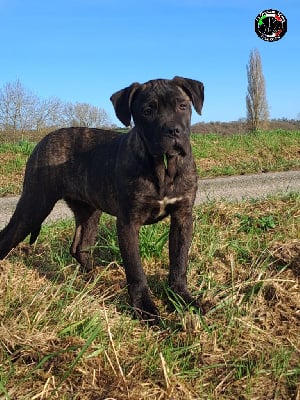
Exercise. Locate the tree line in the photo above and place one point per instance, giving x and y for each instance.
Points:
(22, 110)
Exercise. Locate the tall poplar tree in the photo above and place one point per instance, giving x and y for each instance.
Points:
(256, 100)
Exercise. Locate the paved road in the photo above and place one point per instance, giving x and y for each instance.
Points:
(233, 188)
(256, 186)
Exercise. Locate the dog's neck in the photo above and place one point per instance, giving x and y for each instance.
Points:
(165, 170)
(166, 167)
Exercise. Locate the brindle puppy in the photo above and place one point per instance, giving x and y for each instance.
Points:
(140, 177)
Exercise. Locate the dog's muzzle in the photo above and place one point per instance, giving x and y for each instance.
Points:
(175, 140)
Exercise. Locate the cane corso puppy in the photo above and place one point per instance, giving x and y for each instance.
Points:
(140, 177)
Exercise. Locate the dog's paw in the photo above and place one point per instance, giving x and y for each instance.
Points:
(85, 259)
(144, 307)
(149, 314)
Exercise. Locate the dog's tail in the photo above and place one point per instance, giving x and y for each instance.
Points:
(26, 220)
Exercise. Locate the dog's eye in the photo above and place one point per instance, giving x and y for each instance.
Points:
(147, 111)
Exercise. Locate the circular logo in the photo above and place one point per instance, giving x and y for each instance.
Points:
(270, 25)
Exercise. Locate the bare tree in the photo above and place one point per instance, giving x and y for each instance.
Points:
(256, 101)
(49, 113)
(16, 107)
(84, 114)
(22, 110)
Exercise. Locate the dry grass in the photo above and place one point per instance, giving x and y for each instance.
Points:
(69, 335)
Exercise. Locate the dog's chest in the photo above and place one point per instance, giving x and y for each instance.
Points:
(173, 191)
(165, 202)
(156, 210)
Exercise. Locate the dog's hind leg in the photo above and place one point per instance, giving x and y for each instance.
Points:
(27, 219)
(87, 220)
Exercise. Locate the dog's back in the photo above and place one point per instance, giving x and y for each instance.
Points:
(59, 167)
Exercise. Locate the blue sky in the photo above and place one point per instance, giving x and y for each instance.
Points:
(85, 50)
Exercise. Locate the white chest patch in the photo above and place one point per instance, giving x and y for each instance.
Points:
(165, 201)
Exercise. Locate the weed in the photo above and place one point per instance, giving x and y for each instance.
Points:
(250, 224)
(153, 240)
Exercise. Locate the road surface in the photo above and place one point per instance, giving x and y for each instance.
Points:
(232, 188)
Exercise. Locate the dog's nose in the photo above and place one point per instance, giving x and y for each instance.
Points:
(173, 130)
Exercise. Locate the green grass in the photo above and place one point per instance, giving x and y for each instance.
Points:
(66, 334)
(13, 158)
(22, 147)
(215, 155)
(244, 154)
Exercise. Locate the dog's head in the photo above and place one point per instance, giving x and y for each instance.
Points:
(161, 111)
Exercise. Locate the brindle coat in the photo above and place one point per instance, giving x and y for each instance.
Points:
(140, 177)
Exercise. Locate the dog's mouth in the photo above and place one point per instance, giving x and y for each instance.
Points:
(172, 148)
(165, 144)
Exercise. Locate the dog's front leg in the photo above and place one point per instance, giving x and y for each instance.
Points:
(144, 307)
(180, 238)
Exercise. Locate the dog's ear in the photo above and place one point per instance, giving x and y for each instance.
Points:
(194, 89)
(122, 103)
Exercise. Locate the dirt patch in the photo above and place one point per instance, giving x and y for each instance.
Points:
(287, 254)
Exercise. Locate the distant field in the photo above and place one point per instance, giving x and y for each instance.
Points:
(215, 155)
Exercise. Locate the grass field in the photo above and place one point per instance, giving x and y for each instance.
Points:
(245, 154)
(215, 155)
(13, 159)
(70, 335)
(65, 334)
